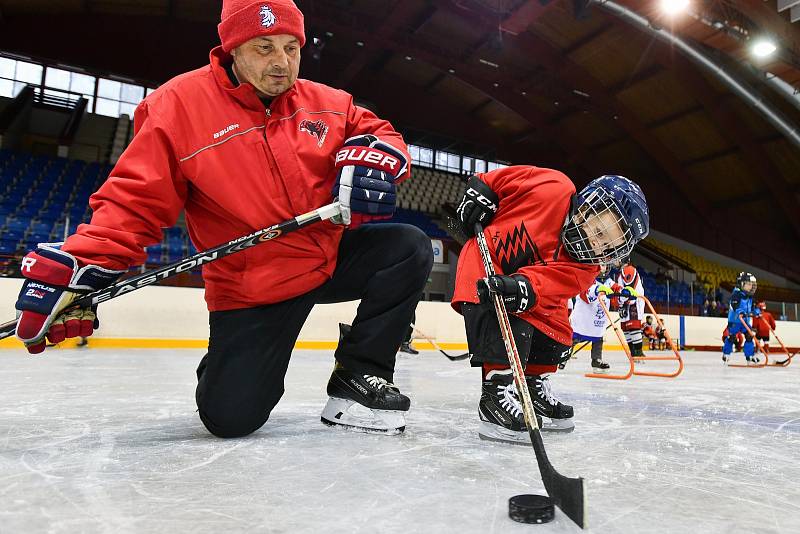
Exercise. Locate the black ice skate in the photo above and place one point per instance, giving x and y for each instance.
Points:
(500, 410)
(366, 403)
(408, 349)
(556, 416)
(600, 366)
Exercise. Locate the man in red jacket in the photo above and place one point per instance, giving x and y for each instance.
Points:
(546, 244)
(239, 145)
(763, 324)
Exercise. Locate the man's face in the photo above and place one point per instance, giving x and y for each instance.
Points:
(748, 287)
(271, 64)
(603, 231)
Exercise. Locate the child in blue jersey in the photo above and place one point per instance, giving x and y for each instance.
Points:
(741, 305)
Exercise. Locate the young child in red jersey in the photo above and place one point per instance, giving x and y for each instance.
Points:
(546, 244)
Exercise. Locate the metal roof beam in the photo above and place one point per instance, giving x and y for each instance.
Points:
(496, 88)
(525, 15)
(786, 4)
(401, 11)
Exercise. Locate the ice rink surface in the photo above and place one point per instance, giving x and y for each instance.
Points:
(108, 441)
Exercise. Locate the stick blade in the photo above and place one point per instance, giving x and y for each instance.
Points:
(569, 494)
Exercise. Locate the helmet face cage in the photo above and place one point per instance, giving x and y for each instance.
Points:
(576, 240)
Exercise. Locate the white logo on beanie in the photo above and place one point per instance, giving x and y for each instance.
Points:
(267, 17)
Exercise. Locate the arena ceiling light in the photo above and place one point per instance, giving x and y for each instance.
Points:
(673, 7)
(763, 47)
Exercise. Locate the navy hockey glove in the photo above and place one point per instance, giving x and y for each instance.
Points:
(478, 205)
(515, 290)
(54, 280)
(367, 169)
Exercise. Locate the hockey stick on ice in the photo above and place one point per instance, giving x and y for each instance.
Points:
(430, 340)
(220, 251)
(569, 494)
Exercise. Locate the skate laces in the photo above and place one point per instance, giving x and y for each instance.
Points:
(378, 382)
(509, 399)
(547, 392)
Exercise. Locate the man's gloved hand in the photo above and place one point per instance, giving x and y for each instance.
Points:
(54, 281)
(478, 205)
(516, 291)
(367, 169)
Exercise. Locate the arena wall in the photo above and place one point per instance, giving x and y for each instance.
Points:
(176, 317)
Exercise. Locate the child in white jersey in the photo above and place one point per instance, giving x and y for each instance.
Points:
(589, 321)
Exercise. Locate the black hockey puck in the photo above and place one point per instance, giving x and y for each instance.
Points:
(531, 508)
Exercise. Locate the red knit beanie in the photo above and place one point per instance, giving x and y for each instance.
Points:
(243, 20)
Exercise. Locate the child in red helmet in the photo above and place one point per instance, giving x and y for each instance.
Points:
(763, 324)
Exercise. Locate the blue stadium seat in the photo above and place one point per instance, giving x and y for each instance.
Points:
(42, 227)
(154, 256)
(7, 247)
(18, 225)
(175, 255)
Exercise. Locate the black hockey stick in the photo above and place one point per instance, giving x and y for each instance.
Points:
(569, 494)
(430, 340)
(220, 251)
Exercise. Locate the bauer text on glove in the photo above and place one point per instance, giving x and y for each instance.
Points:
(366, 171)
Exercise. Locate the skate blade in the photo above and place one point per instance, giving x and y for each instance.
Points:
(490, 432)
(363, 430)
(595, 370)
(557, 425)
(354, 416)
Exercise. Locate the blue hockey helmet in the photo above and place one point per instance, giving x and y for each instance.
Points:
(608, 218)
(747, 283)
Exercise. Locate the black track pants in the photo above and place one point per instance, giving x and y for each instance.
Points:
(240, 380)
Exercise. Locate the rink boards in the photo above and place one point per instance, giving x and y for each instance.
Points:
(176, 317)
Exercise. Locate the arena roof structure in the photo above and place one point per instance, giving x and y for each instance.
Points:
(561, 83)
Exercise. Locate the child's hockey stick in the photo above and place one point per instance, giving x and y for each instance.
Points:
(437, 347)
(220, 251)
(569, 494)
